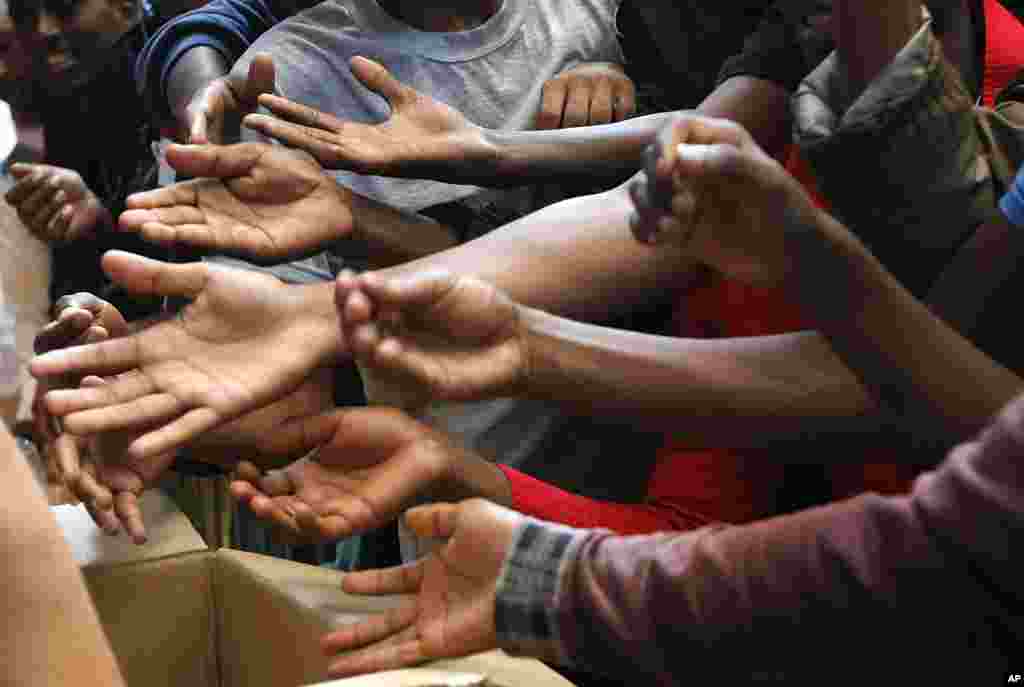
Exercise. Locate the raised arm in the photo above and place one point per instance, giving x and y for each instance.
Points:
(51, 634)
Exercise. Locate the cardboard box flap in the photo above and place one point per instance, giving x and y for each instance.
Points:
(159, 618)
(413, 677)
(169, 530)
(307, 602)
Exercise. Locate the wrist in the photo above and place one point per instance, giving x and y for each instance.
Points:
(538, 351)
(316, 303)
(469, 476)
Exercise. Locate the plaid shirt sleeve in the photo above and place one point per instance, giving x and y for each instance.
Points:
(531, 588)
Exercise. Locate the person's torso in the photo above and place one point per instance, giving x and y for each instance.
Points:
(492, 74)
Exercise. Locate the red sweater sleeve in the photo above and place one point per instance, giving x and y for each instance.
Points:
(547, 502)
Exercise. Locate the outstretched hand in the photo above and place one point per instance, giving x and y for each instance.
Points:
(433, 336)
(368, 465)
(419, 140)
(261, 202)
(243, 342)
(55, 204)
(453, 610)
(712, 190)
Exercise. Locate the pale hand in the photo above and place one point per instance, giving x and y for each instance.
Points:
(590, 94)
(455, 588)
(421, 139)
(434, 336)
(711, 190)
(244, 341)
(261, 202)
(214, 113)
(55, 204)
(367, 466)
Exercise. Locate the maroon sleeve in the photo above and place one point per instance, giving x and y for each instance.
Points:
(928, 585)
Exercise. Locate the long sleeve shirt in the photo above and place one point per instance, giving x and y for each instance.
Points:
(927, 585)
(227, 26)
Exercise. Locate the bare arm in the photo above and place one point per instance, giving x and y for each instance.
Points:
(51, 636)
(721, 392)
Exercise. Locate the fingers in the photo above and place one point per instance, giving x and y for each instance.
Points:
(378, 79)
(552, 105)
(142, 275)
(398, 650)
(314, 141)
(436, 521)
(260, 80)
(422, 290)
(401, 579)
(199, 127)
(70, 324)
(577, 104)
(602, 103)
(126, 507)
(297, 113)
(180, 195)
(103, 358)
(624, 99)
(174, 435)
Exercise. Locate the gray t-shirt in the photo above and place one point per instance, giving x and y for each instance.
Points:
(494, 75)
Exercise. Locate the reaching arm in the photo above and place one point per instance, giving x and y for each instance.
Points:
(51, 635)
(424, 138)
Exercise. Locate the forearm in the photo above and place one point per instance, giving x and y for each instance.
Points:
(576, 258)
(912, 361)
(388, 236)
(517, 157)
(51, 635)
(713, 392)
(789, 594)
(193, 71)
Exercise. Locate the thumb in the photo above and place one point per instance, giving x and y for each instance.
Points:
(378, 79)
(261, 79)
(705, 163)
(219, 162)
(147, 276)
(436, 521)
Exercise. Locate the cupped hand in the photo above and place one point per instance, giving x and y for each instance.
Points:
(433, 336)
(710, 189)
(55, 204)
(452, 609)
(261, 202)
(365, 467)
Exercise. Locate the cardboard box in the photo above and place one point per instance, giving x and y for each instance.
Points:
(180, 615)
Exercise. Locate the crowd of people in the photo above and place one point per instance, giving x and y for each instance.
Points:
(654, 340)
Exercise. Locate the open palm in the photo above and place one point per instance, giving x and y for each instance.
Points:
(243, 342)
(455, 588)
(420, 139)
(260, 202)
(370, 465)
(434, 336)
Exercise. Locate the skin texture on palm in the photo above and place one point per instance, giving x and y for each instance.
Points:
(261, 202)
(244, 341)
(453, 590)
(364, 467)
